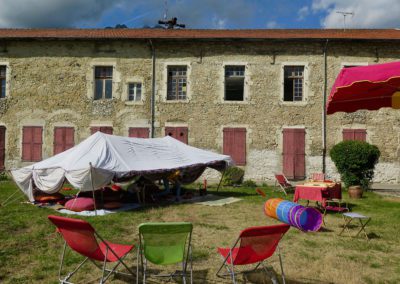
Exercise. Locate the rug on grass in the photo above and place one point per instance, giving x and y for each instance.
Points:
(218, 201)
(102, 212)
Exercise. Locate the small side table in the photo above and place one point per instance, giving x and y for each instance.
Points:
(350, 216)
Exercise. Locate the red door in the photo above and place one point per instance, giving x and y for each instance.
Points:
(235, 144)
(179, 133)
(355, 134)
(139, 132)
(102, 129)
(2, 146)
(294, 153)
(32, 143)
(63, 139)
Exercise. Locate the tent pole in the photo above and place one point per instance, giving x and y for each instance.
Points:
(91, 181)
(220, 181)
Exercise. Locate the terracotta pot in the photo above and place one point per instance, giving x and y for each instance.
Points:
(355, 191)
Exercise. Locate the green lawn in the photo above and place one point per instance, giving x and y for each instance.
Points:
(30, 248)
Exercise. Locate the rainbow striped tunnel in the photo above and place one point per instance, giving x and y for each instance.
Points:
(303, 218)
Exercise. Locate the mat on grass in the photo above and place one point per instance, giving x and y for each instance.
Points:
(102, 212)
(217, 201)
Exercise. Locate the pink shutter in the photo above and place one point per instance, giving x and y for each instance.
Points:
(179, 133)
(139, 132)
(2, 146)
(106, 130)
(348, 134)
(58, 140)
(294, 153)
(37, 144)
(27, 136)
(360, 134)
(69, 138)
(94, 129)
(234, 144)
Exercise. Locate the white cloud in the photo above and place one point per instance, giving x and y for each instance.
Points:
(272, 25)
(303, 13)
(367, 13)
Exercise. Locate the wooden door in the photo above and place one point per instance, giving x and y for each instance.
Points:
(63, 139)
(102, 129)
(235, 144)
(355, 134)
(139, 132)
(294, 153)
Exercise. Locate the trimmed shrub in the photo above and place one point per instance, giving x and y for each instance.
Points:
(355, 162)
(249, 183)
(233, 176)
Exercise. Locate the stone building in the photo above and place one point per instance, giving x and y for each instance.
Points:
(257, 95)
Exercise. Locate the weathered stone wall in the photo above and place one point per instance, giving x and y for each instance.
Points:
(51, 84)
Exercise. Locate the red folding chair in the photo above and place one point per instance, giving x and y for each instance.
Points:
(254, 245)
(81, 237)
(334, 201)
(283, 183)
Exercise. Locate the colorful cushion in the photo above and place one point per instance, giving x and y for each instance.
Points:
(45, 198)
(80, 204)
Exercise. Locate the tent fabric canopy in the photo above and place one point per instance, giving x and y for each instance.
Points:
(366, 87)
(103, 158)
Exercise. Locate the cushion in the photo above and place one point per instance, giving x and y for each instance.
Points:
(80, 204)
(44, 197)
(112, 205)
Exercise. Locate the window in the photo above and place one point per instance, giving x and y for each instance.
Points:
(3, 70)
(354, 134)
(103, 82)
(32, 143)
(134, 92)
(293, 83)
(235, 144)
(234, 83)
(63, 139)
(139, 132)
(102, 129)
(177, 83)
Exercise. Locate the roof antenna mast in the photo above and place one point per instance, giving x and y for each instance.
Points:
(172, 23)
(345, 14)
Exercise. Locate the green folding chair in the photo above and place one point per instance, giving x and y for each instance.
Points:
(164, 244)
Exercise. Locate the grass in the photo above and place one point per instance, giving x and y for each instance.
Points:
(30, 248)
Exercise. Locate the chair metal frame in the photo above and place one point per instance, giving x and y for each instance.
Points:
(285, 185)
(103, 268)
(187, 257)
(230, 267)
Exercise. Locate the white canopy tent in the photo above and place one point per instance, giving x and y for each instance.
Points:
(103, 158)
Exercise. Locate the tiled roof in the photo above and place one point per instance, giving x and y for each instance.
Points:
(350, 34)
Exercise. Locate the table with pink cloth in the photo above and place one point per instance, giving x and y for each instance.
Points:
(318, 191)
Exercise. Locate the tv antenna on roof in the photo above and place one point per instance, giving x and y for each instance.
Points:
(172, 23)
(345, 14)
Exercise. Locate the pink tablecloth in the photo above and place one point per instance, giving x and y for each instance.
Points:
(315, 193)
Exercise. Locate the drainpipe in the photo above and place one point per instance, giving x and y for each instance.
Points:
(324, 108)
(153, 86)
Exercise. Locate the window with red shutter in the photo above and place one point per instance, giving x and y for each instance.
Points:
(32, 143)
(63, 139)
(102, 129)
(355, 134)
(139, 132)
(234, 144)
(179, 133)
(294, 153)
(2, 146)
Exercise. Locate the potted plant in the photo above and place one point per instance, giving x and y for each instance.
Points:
(355, 162)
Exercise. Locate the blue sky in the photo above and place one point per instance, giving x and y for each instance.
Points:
(198, 14)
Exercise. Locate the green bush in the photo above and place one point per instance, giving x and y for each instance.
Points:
(3, 176)
(233, 176)
(355, 162)
(249, 183)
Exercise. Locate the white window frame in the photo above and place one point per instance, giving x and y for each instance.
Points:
(246, 93)
(306, 83)
(164, 81)
(8, 78)
(90, 77)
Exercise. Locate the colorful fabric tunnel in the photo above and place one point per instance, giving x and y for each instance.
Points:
(303, 218)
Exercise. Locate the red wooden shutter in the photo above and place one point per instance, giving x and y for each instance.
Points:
(63, 139)
(102, 129)
(179, 133)
(2, 146)
(354, 134)
(139, 132)
(32, 143)
(294, 153)
(234, 144)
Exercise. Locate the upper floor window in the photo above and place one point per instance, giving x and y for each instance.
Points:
(3, 70)
(177, 83)
(234, 83)
(134, 92)
(103, 82)
(293, 83)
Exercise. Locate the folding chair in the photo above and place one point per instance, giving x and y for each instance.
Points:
(254, 245)
(334, 201)
(283, 183)
(81, 237)
(164, 244)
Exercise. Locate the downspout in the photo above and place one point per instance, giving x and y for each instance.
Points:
(153, 87)
(324, 108)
